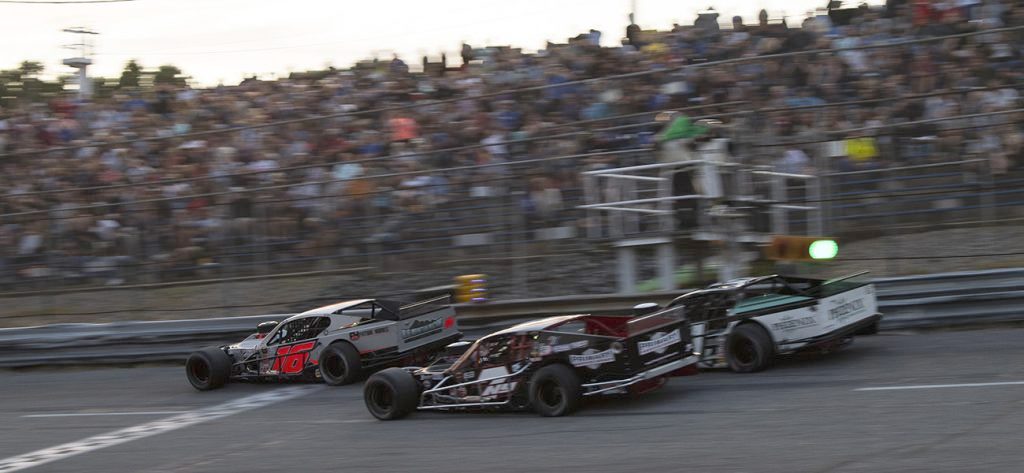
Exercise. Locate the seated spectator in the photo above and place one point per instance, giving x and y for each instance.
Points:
(185, 200)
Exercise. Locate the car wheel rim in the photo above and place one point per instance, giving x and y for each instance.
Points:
(333, 367)
(382, 398)
(551, 394)
(743, 351)
(199, 371)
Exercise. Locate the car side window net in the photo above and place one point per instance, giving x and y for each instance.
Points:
(301, 329)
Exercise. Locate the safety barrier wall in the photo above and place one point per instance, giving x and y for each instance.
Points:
(934, 300)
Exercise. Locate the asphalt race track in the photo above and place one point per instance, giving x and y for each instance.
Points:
(960, 407)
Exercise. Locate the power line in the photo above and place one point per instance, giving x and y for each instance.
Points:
(328, 43)
(64, 2)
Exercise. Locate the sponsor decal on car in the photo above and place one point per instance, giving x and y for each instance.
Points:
(659, 342)
(496, 388)
(356, 334)
(592, 358)
(417, 329)
(844, 310)
(793, 324)
(570, 346)
(552, 346)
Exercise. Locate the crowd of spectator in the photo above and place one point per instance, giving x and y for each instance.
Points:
(307, 189)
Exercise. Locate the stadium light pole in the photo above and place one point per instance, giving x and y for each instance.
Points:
(81, 62)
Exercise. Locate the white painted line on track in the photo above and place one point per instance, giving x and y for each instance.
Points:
(936, 386)
(187, 419)
(87, 414)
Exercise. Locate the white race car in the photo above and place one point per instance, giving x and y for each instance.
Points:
(744, 323)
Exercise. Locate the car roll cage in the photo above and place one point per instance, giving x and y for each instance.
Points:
(441, 386)
(643, 375)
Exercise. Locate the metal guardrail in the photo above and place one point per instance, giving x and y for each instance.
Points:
(935, 300)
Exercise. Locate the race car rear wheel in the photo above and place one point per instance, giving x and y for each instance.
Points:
(340, 364)
(870, 329)
(555, 391)
(391, 394)
(208, 368)
(749, 348)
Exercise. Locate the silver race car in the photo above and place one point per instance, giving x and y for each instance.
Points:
(335, 343)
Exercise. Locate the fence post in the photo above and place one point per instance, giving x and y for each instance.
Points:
(265, 211)
(592, 195)
(987, 180)
(779, 194)
(627, 269)
(817, 224)
(527, 238)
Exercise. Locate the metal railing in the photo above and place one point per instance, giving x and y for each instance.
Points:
(958, 190)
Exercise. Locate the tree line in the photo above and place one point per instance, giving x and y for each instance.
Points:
(25, 83)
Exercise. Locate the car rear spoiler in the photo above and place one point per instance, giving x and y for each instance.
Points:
(661, 318)
(831, 287)
(419, 308)
(843, 278)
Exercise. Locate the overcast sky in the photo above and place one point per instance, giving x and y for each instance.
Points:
(224, 40)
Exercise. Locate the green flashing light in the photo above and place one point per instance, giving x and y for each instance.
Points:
(823, 249)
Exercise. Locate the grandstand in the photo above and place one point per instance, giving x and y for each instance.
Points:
(910, 112)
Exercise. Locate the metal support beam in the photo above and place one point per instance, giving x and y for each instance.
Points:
(780, 226)
(627, 269)
(628, 209)
(642, 201)
(635, 178)
(666, 254)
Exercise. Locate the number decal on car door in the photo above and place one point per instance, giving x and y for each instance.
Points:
(291, 359)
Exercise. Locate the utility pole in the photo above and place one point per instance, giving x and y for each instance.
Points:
(82, 60)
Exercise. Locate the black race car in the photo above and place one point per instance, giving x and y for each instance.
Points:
(547, 365)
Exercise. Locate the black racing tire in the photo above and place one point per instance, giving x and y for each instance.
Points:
(555, 391)
(870, 329)
(340, 364)
(391, 394)
(208, 368)
(749, 349)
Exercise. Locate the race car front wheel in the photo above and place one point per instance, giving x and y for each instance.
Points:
(555, 391)
(391, 394)
(208, 368)
(749, 348)
(340, 364)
